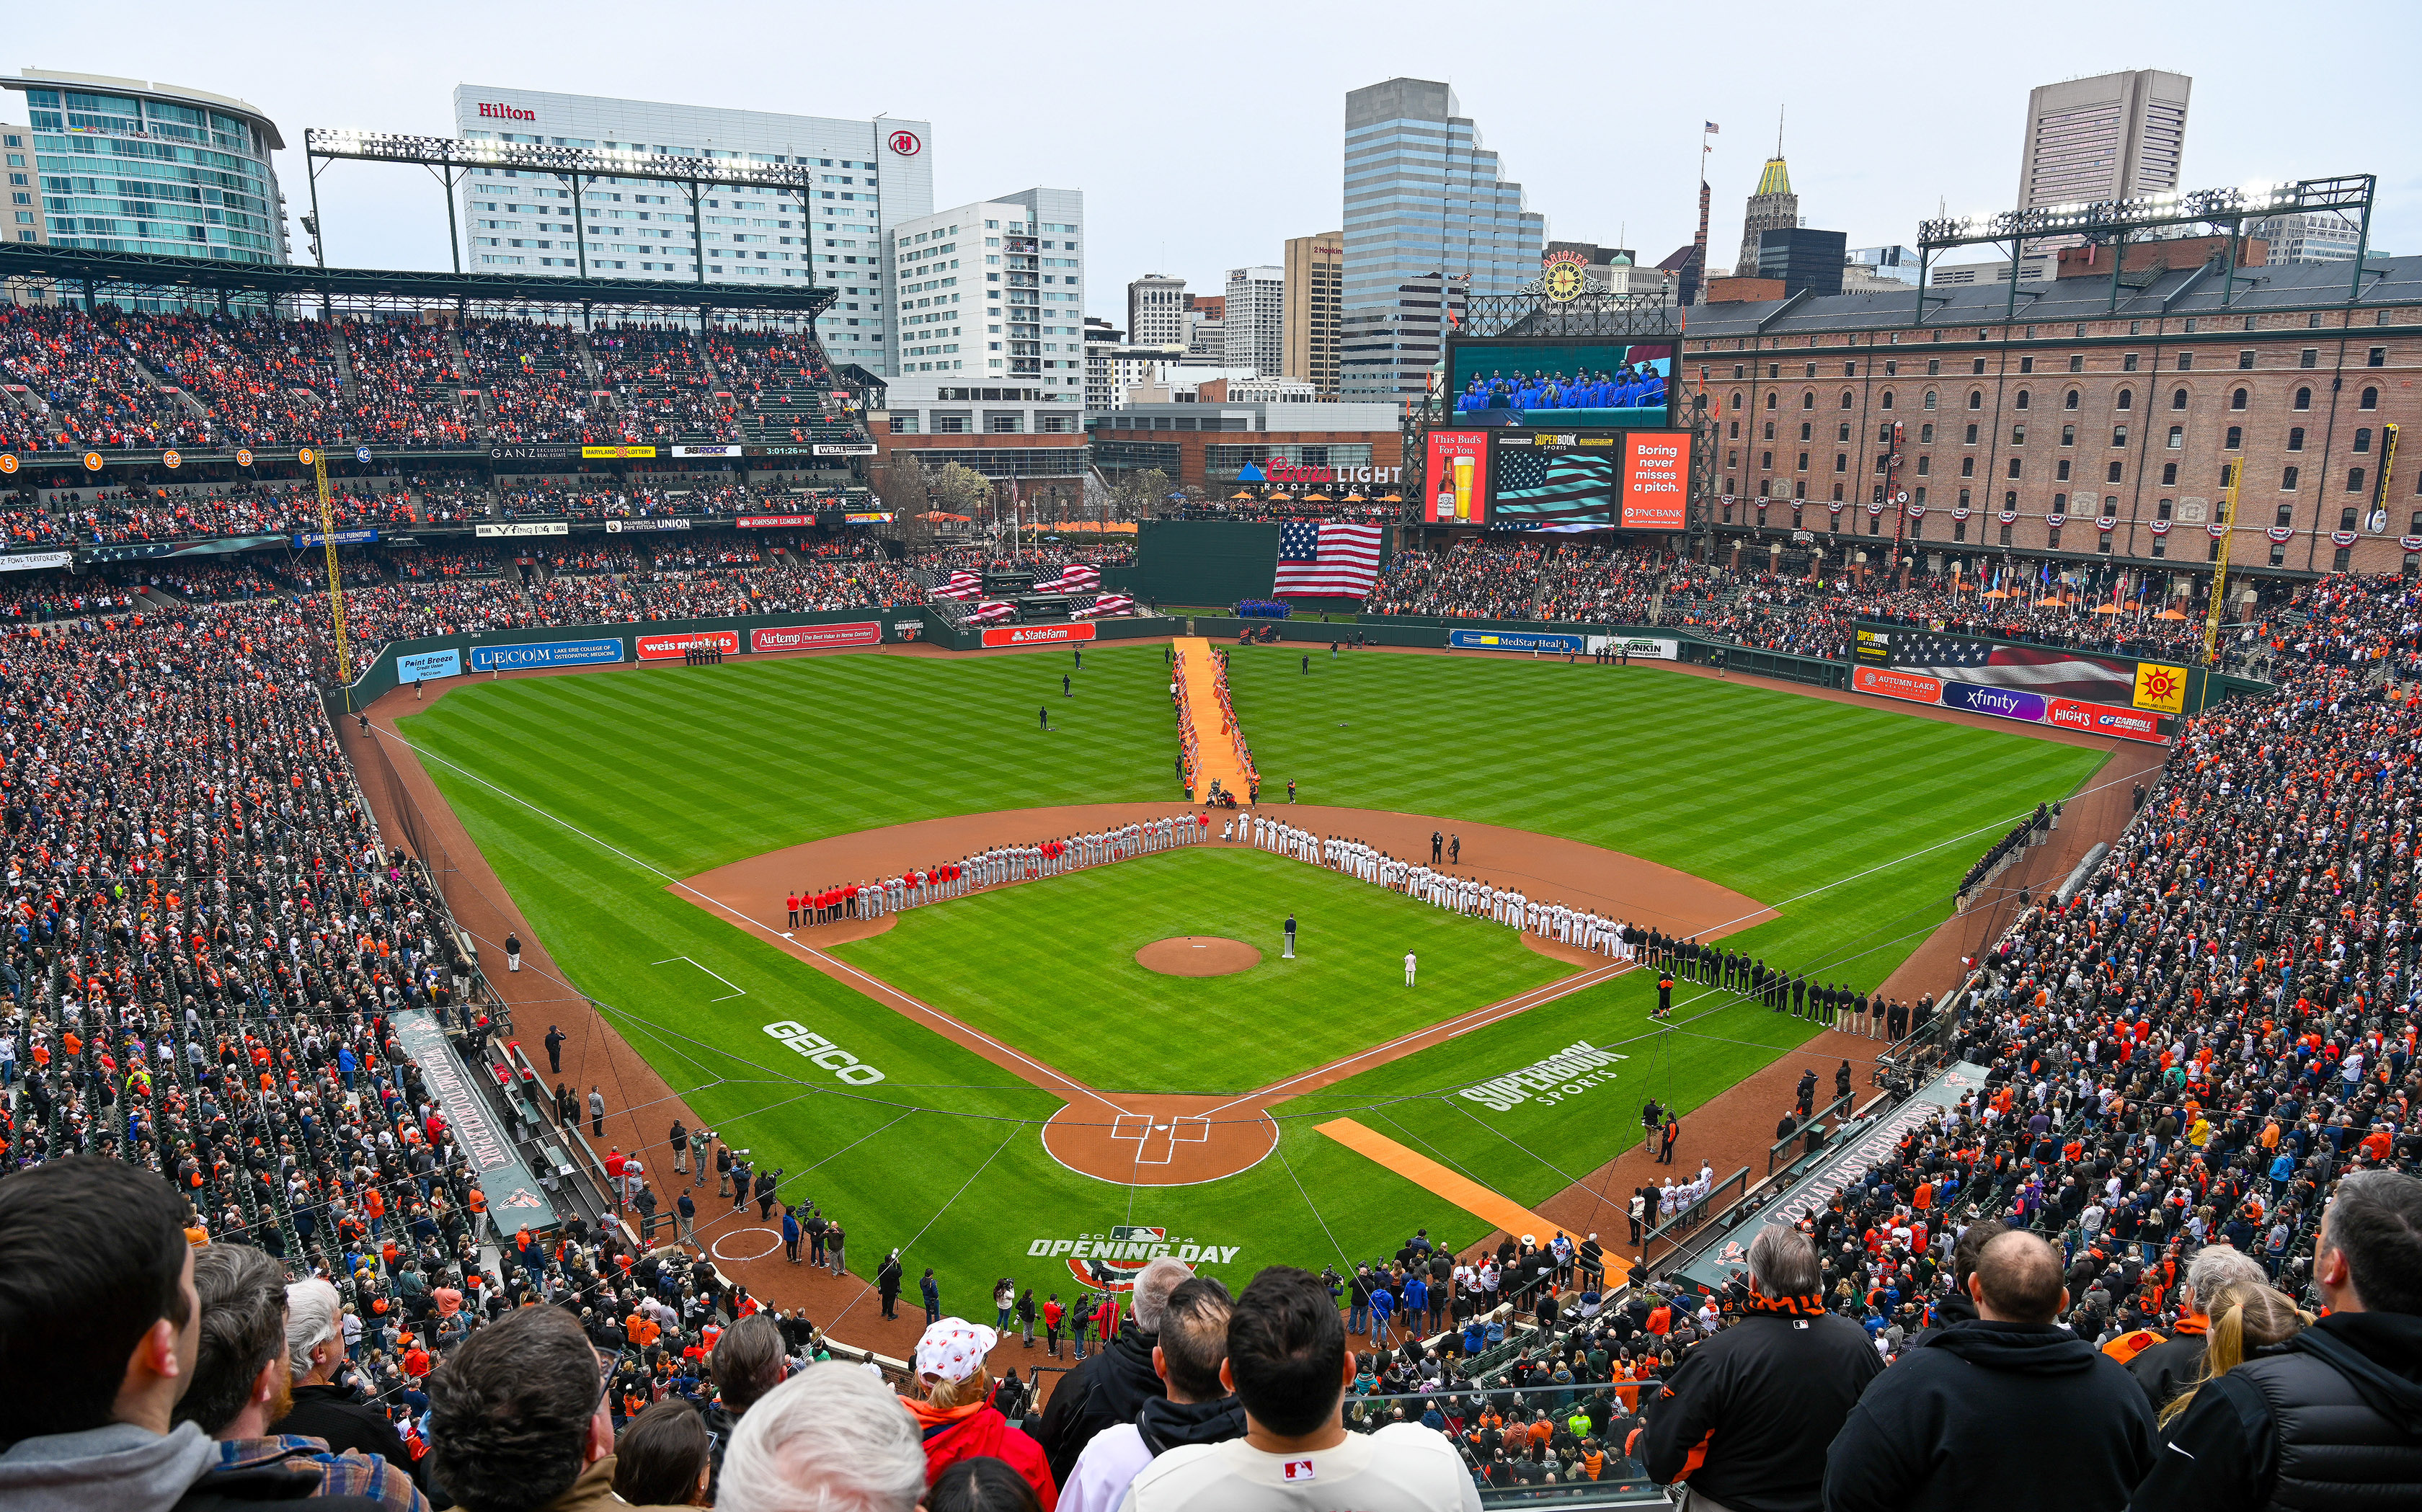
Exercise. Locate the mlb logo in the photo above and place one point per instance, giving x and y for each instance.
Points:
(1299, 1470)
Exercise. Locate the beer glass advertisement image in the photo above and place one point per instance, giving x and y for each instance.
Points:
(1458, 478)
(1561, 385)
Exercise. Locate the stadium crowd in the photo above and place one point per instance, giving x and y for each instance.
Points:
(1530, 579)
(117, 379)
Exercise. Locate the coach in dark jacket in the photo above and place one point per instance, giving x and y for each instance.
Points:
(2010, 1411)
(1759, 1402)
(1112, 1386)
(2333, 1418)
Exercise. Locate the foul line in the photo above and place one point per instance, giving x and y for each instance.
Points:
(837, 965)
(1465, 1023)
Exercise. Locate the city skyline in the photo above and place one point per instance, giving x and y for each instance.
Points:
(1870, 160)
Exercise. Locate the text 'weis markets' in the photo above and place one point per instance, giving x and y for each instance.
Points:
(1567, 1073)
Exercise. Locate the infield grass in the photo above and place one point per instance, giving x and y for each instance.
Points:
(590, 793)
(1008, 961)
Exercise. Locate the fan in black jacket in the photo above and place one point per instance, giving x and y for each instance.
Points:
(2007, 1412)
(1746, 1417)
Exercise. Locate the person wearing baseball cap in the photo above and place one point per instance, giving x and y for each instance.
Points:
(954, 1412)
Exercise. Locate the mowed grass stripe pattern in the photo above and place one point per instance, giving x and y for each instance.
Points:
(693, 767)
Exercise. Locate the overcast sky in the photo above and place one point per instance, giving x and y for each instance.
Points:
(1205, 136)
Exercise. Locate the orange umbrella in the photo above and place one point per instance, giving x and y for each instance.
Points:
(2169, 614)
(2106, 608)
(1316, 497)
(1993, 593)
(1242, 493)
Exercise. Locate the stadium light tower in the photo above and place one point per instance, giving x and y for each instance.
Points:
(454, 158)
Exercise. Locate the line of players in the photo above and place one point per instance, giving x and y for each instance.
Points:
(1467, 895)
(1832, 1004)
(997, 867)
(1635, 386)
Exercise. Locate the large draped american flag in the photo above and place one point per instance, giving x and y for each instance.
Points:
(1327, 561)
(2050, 671)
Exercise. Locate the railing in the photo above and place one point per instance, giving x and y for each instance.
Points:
(1459, 1407)
(1776, 1152)
(1688, 1219)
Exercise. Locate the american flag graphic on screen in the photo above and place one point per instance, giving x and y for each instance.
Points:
(2051, 671)
(1327, 560)
(1543, 486)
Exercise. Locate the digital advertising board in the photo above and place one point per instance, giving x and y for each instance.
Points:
(1561, 383)
(2032, 684)
(1559, 480)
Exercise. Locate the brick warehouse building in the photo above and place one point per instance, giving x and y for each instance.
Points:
(2096, 403)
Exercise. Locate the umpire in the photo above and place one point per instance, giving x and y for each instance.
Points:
(1748, 1415)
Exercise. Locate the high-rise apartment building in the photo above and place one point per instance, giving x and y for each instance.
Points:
(994, 292)
(1773, 208)
(1254, 310)
(1156, 309)
(2315, 237)
(121, 165)
(869, 176)
(1315, 307)
(2113, 136)
(1423, 201)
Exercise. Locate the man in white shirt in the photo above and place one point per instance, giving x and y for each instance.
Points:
(1288, 1363)
(1197, 1410)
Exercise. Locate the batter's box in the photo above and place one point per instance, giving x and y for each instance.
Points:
(1157, 1143)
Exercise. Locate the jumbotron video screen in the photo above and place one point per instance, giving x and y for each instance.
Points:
(1561, 385)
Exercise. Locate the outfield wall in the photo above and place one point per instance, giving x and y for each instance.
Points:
(436, 657)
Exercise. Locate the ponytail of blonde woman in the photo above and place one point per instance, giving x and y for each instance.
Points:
(2243, 1318)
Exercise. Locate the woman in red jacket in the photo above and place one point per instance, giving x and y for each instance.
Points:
(954, 1412)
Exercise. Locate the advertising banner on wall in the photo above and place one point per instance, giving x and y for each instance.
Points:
(1654, 648)
(422, 666)
(665, 647)
(341, 538)
(546, 654)
(25, 560)
(2032, 684)
(625, 526)
(1036, 635)
(1458, 478)
(1516, 640)
(816, 636)
(515, 530)
(767, 522)
(1657, 480)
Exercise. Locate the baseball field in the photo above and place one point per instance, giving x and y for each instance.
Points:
(594, 797)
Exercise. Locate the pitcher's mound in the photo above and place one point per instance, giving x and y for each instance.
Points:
(1198, 956)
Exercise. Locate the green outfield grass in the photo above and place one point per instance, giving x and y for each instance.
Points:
(590, 793)
(1002, 960)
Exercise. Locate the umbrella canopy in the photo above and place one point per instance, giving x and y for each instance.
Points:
(2106, 608)
(2170, 614)
(1242, 493)
(1993, 593)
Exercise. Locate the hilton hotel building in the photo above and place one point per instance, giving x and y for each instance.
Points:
(871, 176)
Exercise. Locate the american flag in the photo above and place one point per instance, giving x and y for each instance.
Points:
(2051, 671)
(1074, 578)
(1106, 604)
(961, 585)
(1327, 561)
(991, 609)
(1537, 487)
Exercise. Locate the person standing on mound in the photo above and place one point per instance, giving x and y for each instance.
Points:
(1409, 968)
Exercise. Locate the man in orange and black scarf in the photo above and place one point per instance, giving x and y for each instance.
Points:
(1745, 1419)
